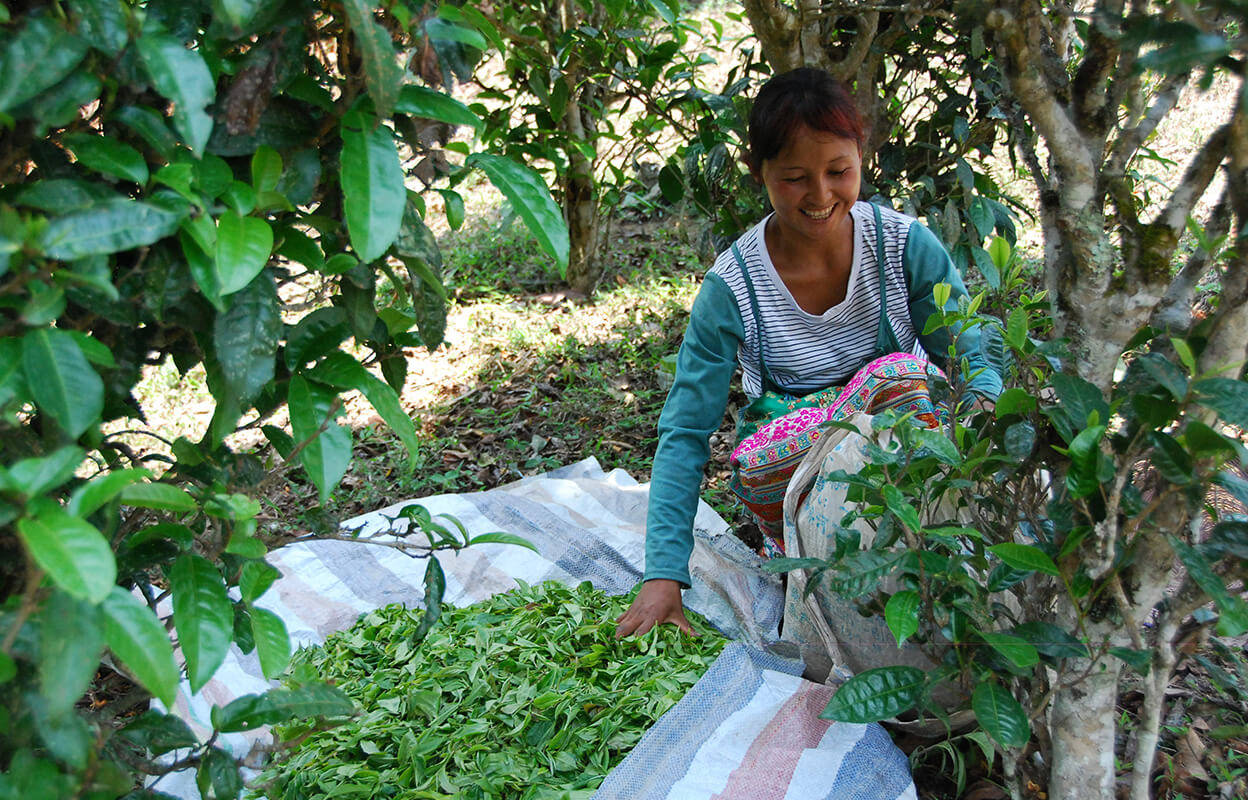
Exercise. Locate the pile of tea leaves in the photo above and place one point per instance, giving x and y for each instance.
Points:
(527, 695)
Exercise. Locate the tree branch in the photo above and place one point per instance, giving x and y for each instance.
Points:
(1129, 141)
(1090, 90)
(1027, 66)
(776, 26)
(1174, 312)
(1200, 173)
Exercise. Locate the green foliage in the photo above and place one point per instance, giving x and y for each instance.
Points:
(528, 694)
(1004, 544)
(175, 181)
(586, 90)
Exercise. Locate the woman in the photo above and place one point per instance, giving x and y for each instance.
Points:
(816, 290)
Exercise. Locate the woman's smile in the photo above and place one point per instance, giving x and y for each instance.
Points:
(812, 183)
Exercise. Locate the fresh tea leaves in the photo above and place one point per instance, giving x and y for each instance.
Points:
(527, 695)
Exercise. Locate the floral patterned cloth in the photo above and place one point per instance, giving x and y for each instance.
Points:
(764, 460)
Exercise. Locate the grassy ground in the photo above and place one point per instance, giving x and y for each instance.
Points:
(528, 379)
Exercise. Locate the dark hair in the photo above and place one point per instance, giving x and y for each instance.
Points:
(805, 96)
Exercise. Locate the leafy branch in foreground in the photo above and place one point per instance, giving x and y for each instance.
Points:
(204, 184)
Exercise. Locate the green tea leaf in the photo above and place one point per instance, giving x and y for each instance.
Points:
(344, 372)
(435, 587)
(1233, 620)
(1016, 649)
(1170, 459)
(527, 193)
(1001, 715)
(1025, 556)
(327, 453)
(89, 497)
(252, 711)
(1228, 397)
(454, 204)
(1165, 373)
(163, 496)
(899, 505)
(1000, 251)
(159, 733)
(902, 615)
(34, 476)
(148, 125)
(255, 580)
(498, 537)
(218, 775)
(36, 58)
(382, 72)
(272, 641)
(109, 226)
(139, 641)
(876, 694)
(372, 183)
(203, 616)
(71, 638)
(1051, 641)
(421, 101)
(102, 23)
(1020, 440)
(182, 76)
(1139, 660)
(107, 155)
(71, 550)
(939, 445)
(446, 31)
(243, 248)
(246, 336)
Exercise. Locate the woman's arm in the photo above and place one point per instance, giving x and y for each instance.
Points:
(694, 409)
(927, 263)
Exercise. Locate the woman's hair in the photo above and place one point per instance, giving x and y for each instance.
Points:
(806, 96)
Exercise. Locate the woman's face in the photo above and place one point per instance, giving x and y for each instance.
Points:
(812, 184)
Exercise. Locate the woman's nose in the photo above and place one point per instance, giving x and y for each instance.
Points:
(822, 188)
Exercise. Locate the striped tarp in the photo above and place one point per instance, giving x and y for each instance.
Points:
(750, 730)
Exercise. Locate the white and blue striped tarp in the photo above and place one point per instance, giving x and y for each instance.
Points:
(750, 730)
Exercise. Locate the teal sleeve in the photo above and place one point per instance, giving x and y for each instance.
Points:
(927, 263)
(693, 411)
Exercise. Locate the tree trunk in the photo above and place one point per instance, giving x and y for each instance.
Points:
(1082, 724)
(580, 203)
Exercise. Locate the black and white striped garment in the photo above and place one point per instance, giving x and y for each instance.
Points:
(807, 352)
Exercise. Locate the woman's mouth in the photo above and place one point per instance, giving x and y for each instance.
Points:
(819, 214)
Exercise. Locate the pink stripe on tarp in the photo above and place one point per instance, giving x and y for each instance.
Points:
(767, 768)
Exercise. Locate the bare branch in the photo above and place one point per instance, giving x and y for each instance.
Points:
(1200, 173)
(1027, 64)
(1174, 312)
(1129, 141)
(1091, 86)
(777, 27)
(1228, 340)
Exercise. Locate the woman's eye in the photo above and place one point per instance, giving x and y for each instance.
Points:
(838, 173)
(794, 180)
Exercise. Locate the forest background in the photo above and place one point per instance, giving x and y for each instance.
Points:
(220, 262)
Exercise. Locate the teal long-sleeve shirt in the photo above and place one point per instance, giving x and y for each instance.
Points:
(705, 366)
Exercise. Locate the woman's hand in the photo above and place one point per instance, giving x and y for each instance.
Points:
(657, 602)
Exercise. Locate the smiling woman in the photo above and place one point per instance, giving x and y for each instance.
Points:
(823, 304)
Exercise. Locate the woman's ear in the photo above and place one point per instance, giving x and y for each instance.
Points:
(755, 172)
